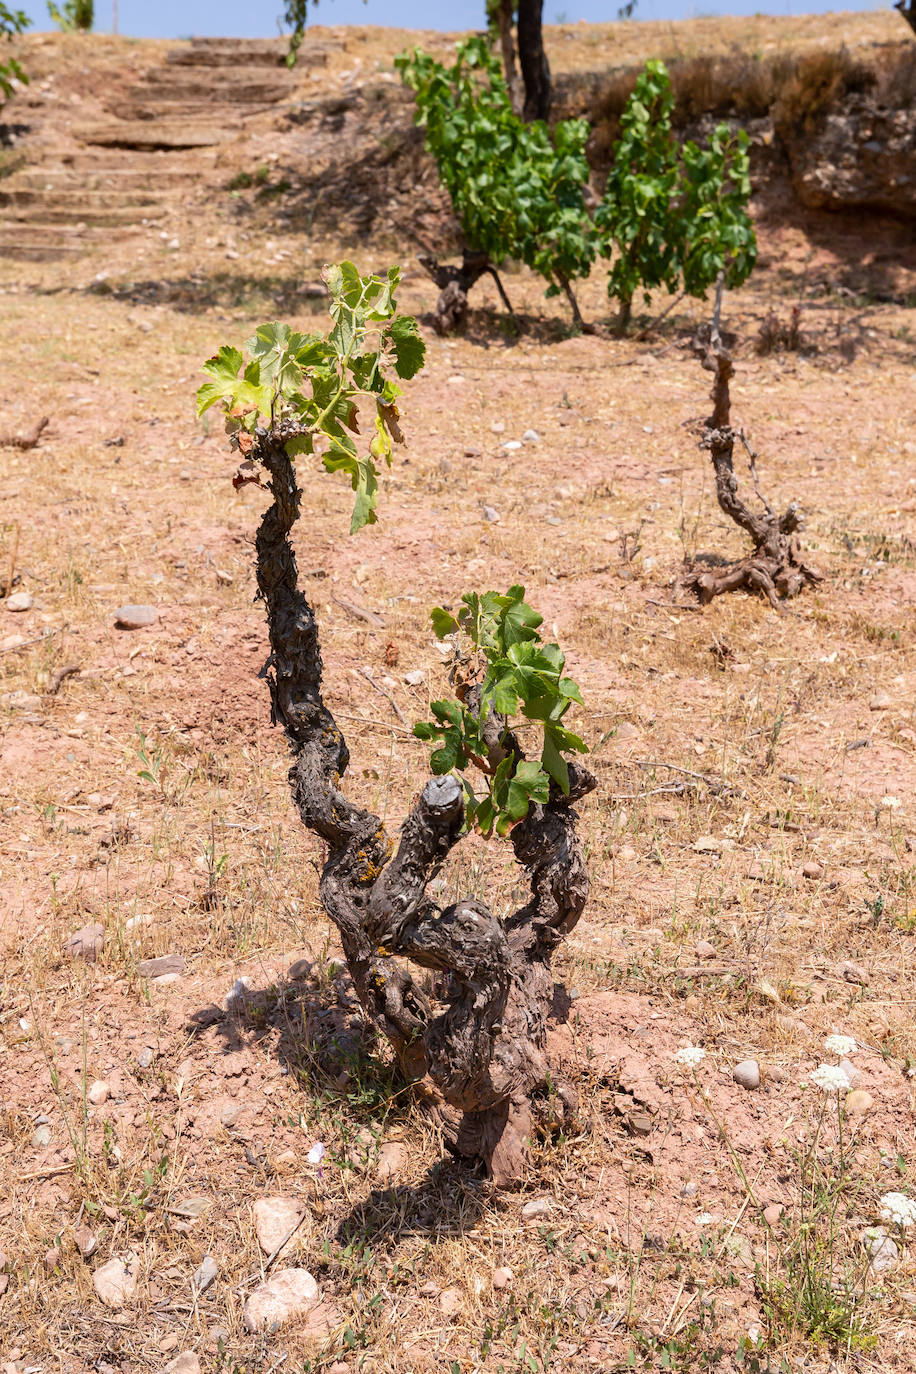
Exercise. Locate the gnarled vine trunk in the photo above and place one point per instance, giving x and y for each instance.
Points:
(454, 283)
(484, 1048)
(776, 567)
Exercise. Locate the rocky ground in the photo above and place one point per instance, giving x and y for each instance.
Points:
(178, 1039)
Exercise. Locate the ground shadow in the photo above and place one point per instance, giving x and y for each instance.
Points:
(200, 292)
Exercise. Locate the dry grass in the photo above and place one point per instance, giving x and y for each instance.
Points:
(733, 723)
(793, 87)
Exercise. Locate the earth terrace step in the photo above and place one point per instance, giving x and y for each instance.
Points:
(240, 52)
(142, 134)
(218, 78)
(49, 237)
(39, 252)
(156, 162)
(83, 216)
(82, 198)
(111, 181)
(167, 109)
(200, 94)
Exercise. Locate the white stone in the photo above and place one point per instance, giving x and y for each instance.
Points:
(392, 1160)
(539, 1208)
(19, 601)
(747, 1074)
(287, 1295)
(116, 1282)
(205, 1274)
(135, 617)
(882, 1251)
(185, 1363)
(274, 1218)
(98, 1093)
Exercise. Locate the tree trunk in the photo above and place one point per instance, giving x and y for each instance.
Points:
(504, 13)
(533, 60)
(776, 567)
(484, 1047)
(908, 9)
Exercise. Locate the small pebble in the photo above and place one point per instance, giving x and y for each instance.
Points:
(531, 436)
(689, 1189)
(773, 1213)
(239, 990)
(157, 968)
(146, 1057)
(52, 1259)
(502, 1278)
(450, 1301)
(85, 943)
(205, 1274)
(498, 427)
(813, 870)
(853, 973)
(415, 677)
(859, 1102)
(290, 1293)
(881, 1249)
(19, 601)
(116, 1282)
(392, 1161)
(185, 1363)
(274, 1218)
(880, 702)
(539, 1208)
(491, 515)
(98, 1093)
(41, 1137)
(86, 1242)
(747, 1074)
(704, 950)
(135, 617)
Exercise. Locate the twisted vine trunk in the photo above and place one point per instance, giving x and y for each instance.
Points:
(776, 567)
(484, 1050)
(454, 283)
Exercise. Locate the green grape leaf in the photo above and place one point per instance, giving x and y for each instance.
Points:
(443, 623)
(409, 348)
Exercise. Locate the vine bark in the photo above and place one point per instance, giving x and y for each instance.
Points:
(776, 567)
(484, 1046)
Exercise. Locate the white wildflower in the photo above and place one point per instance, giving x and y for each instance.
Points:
(316, 1153)
(899, 1209)
(841, 1045)
(703, 1219)
(831, 1078)
(690, 1055)
(892, 803)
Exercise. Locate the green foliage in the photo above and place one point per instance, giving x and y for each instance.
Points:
(311, 385)
(517, 190)
(716, 188)
(520, 675)
(673, 216)
(12, 22)
(73, 16)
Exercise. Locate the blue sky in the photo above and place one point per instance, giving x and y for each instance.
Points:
(244, 19)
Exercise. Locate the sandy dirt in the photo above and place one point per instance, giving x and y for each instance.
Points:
(752, 843)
